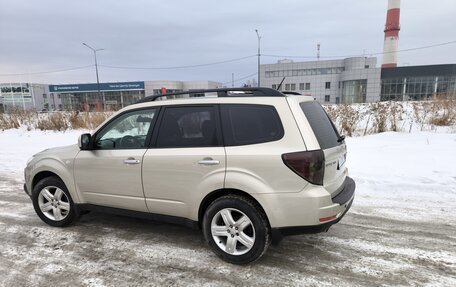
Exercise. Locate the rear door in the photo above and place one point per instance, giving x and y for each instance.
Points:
(185, 161)
(329, 141)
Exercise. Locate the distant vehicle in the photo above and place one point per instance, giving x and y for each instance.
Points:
(246, 165)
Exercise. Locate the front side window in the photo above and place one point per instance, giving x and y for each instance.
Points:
(188, 127)
(250, 124)
(128, 131)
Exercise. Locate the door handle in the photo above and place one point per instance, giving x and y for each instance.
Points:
(131, 160)
(208, 161)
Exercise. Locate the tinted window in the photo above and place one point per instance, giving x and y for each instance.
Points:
(322, 126)
(250, 124)
(188, 127)
(127, 131)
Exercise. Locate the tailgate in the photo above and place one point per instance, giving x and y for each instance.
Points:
(329, 142)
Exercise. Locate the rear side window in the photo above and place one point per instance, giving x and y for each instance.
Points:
(327, 136)
(188, 127)
(250, 124)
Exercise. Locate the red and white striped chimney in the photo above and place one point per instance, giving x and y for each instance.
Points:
(392, 28)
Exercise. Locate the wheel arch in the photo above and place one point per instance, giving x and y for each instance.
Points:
(42, 175)
(211, 197)
(57, 169)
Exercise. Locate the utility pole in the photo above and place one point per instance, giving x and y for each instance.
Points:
(232, 80)
(259, 54)
(96, 71)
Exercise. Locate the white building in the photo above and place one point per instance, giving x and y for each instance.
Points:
(23, 96)
(347, 80)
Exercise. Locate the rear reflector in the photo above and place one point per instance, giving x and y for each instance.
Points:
(309, 165)
(327, 218)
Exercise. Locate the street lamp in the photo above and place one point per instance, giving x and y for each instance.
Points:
(96, 69)
(259, 38)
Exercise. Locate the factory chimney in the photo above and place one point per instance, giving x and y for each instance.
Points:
(392, 28)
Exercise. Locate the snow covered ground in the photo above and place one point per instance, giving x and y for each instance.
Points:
(401, 229)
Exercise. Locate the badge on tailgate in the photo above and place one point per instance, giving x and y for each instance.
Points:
(341, 161)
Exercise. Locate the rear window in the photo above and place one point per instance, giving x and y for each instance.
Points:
(250, 124)
(323, 128)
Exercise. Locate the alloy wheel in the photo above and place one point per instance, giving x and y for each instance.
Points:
(54, 203)
(233, 231)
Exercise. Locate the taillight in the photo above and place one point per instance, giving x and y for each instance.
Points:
(310, 165)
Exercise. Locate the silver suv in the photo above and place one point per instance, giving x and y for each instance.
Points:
(247, 166)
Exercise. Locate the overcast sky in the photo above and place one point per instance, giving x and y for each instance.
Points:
(47, 35)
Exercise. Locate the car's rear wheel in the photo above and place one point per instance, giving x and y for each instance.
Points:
(53, 202)
(237, 229)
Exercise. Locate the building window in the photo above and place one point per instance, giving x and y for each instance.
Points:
(293, 87)
(274, 87)
(354, 91)
(307, 86)
(287, 87)
(328, 85)
(44, 96)
(327, 98)
(301, 86)
(366, 66)
(337, 100)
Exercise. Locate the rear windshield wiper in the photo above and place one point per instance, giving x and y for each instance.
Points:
(341, 138)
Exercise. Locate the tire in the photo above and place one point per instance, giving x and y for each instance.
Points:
(53, 202)
(240, 238)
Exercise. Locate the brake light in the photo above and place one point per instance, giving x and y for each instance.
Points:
(309, 165)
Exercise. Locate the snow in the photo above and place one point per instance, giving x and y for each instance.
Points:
(18, 145)
(401, 229)
(405, 176)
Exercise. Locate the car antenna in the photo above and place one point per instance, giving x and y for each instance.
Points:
(280, 85)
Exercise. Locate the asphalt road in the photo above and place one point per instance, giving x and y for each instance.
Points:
(107, 250)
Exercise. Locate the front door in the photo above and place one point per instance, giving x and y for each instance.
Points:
(110, 174)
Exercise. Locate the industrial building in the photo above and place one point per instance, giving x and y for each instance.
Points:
(417, 83)
(358, 80)
(350, 80)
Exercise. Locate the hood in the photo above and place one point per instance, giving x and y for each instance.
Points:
(61, 153)
(61, 149)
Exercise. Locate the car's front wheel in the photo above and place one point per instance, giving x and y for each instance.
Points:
(53, 203)
(237, 229)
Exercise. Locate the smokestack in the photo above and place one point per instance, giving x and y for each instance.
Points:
(392, 28)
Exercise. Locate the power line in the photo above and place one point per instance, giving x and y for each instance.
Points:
(47, 72)
(240, 79)
(133, 68)
(348, 56)
(221, 62)
(178, 67)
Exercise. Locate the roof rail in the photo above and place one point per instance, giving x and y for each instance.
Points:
(225, 92)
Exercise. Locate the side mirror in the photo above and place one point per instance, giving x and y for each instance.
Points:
(84, 141)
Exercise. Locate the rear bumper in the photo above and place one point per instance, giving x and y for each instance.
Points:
(344, 199)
